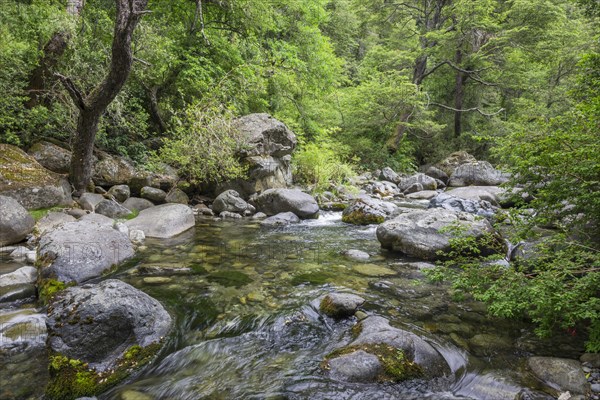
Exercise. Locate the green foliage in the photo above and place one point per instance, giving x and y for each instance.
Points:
(205, 146)
(322, 162)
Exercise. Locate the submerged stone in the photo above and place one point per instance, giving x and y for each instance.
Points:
(229, 278)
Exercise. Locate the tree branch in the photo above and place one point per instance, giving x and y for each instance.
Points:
(468, 110)
(73, 90)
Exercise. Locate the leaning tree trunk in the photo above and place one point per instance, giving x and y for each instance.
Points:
(92, 106)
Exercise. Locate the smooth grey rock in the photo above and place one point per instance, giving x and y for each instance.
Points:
(420, 233)
(82, 250)
(480, 173)
(388, 174)
(51, 221)
(25, 180)
(275, 201)
(410, 184)
(76, 212)
(231, 201)
(120, 192)
(375, 329)
(164, 221)
(121, 228)
(340, 305)
(18, 285)
(177, 196)
(259, 215)
(356, 255)
(560, 373)
(448, 202)
(137, 204)
(422, 195)
(367, 210)
(19, 253)
(88, 201)
(382, 188)
(153, 194)
(98, 323)
(112, 209)
(592, 358)
(15, 221)
(51, 156)
(358, 366)
(281, 219)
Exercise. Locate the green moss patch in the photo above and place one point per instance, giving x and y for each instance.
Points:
(49, 288)
(313, 278)
(396, 366)
(359, 217)
(70, 379)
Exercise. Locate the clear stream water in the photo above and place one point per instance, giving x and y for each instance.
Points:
(247, 324)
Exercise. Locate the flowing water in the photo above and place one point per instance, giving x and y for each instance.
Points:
(247, 326)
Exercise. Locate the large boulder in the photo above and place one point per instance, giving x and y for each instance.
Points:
(155, 195)
(112, 170)
(275, 201)
(388, 174)
(51, 156)
(15, 221)
(231, 201)
(425, 182)
(137, 204)
(101, 333)
(426, 233)
(385, 353)
(89, 201)
(120, 192)
(164, 221)
(25, 180)
(366, 210)
(267, 153)
(448, 202)
(165, 177)
(561, 374)
(81, 250)
(437, 173)
(453, 161)
(178, 196)
(281, 219)
(479, 173)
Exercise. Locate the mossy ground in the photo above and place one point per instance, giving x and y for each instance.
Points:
(70, 379)
(396, 366)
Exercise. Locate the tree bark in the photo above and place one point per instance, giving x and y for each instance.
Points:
(459, 95)
(92, 106)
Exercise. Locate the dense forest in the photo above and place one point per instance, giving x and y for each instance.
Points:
(364, 84)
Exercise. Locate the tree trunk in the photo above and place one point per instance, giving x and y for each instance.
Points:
(92, 106)
(459, 95)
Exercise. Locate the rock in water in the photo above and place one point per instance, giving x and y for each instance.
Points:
(25, 180)
(164, 221)
(366, 210)
(82, 250)
(340, 305)
(281, 219)
(18, 285)
(275, 201)
(231, 201)
(358, 366)
(15, 221)
(448, 202)
(111, 326)
(560, 373)
(424, 233)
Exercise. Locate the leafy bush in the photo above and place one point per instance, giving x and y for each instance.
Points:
(204, 145)
(322, 163)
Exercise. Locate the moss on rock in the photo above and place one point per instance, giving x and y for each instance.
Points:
(396, 366)
(70, 378)
(359, 217)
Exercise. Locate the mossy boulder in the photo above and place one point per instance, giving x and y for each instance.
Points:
(25, 180)
(100, 333)
(339, 305)
(366, 210)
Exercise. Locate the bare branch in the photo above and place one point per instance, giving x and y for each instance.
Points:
(144, 62)
(468, 110)
(73, 90)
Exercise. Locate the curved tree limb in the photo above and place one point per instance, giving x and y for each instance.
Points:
(468, 110)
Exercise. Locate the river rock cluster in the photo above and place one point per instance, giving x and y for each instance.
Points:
(103, 329)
